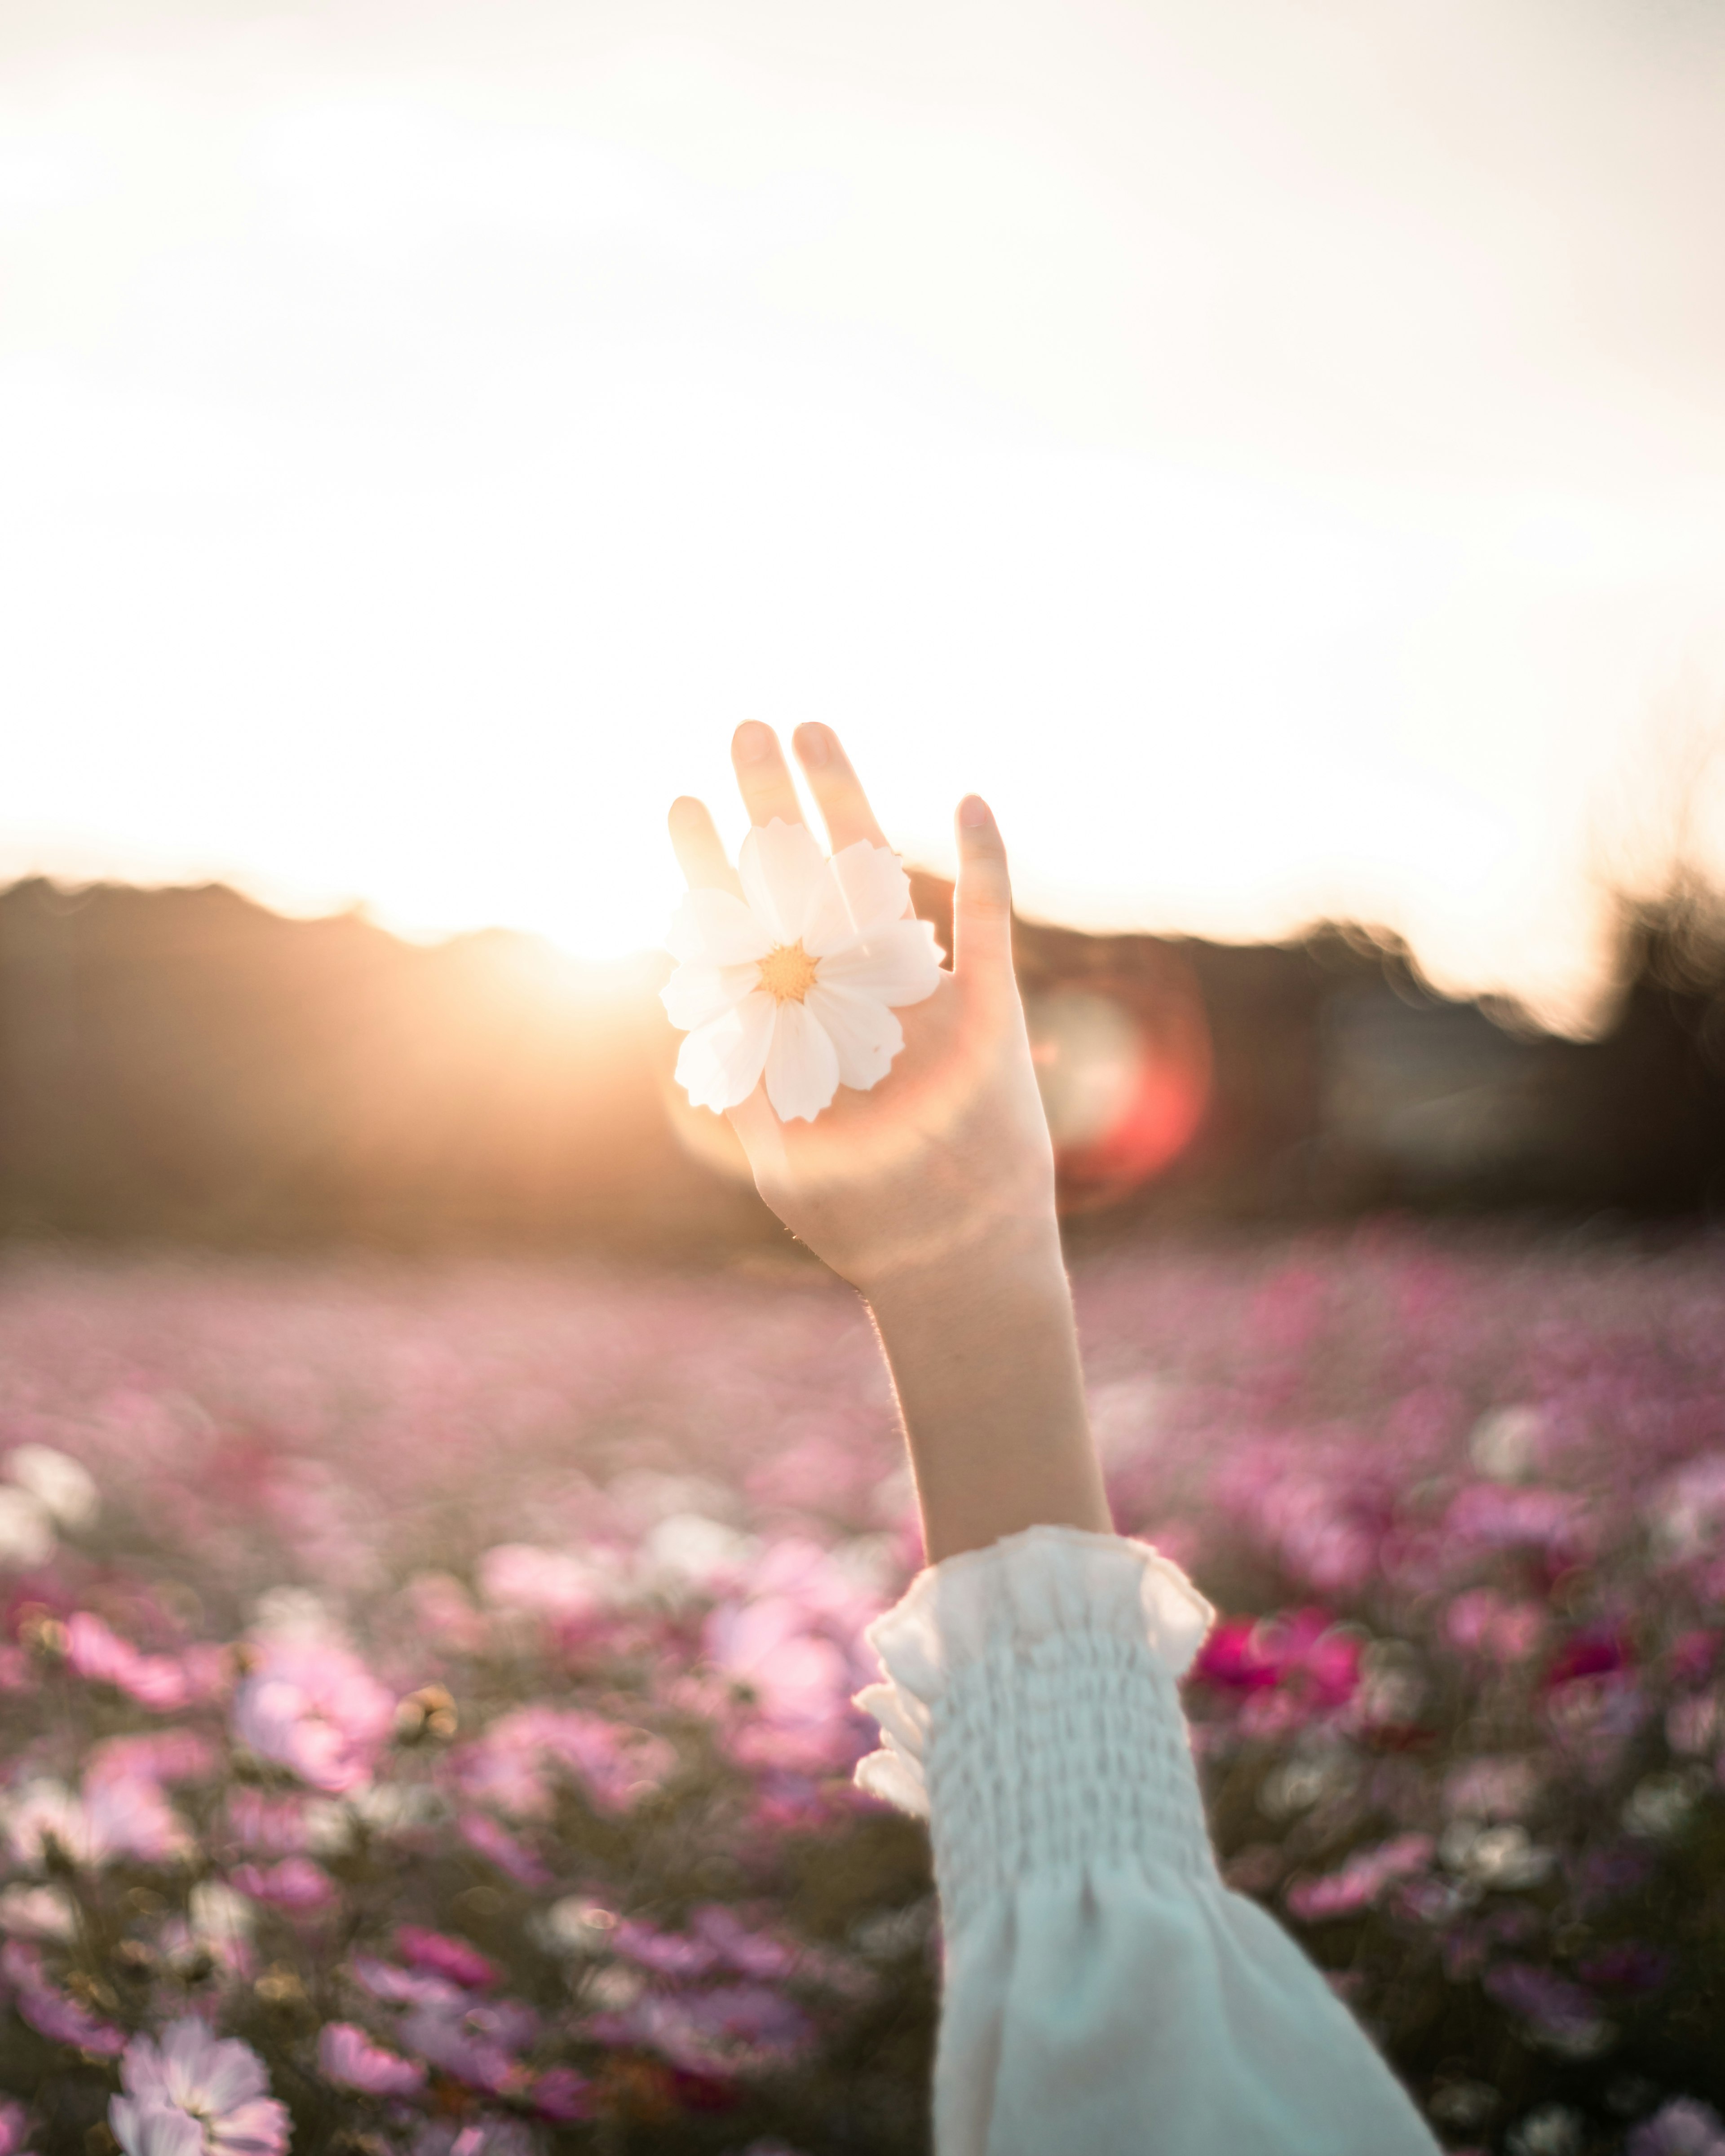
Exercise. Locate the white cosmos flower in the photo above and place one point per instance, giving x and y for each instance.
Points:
(796, 980)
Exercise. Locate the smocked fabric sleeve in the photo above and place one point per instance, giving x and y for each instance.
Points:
(1104, 1992)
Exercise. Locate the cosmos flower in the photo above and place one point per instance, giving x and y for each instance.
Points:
(348, 2057)
(316, 1709)
(218, 2083)
(797, 980)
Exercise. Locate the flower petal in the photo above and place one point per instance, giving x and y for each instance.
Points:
(802, 1066)
(863, 889)
(721, 1061)
(715, 928)
(695, 993)
(866, 1033)
(897, 964)
(780, 866)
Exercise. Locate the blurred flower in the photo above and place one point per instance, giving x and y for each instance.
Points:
(1681, 2127)
(1560, 2016)
(1493, 1787)
(1361, 1880)
(445, 1956)
(1554, 2129)
(1486, 1623)
(14, 2129)
(94, 1652)
(348, 2057)
(316, 1710)
(1661, 1804)
(506, 1851)
(1497, 1856)
(49, 2011)
(219, 2084)
(27, 1536)
(1504, 1442)
(615, 1763)
(797, 978)
(116, 1816)
(66, 1491)
(1631, 1965)
(296, 1885)
(37, 1912)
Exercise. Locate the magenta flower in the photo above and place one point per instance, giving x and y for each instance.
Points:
(316, 1710)
(14, 2129)
(348, 2057)
(218, 2083)
(445, 1956)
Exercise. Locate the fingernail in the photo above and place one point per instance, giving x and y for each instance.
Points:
(753, 742)
(813, 743)
(973, 812)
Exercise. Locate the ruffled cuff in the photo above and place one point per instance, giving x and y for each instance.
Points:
(1031, 1711)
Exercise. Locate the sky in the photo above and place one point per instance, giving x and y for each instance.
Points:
(1275, 452)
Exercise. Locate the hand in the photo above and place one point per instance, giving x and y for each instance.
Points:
(933, 1193)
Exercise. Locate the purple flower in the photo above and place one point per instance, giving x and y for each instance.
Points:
(316, 1710)
(348, 2057)
(1560, 2014)
(219, 2084)
(1681, 2127)
(511, 1856)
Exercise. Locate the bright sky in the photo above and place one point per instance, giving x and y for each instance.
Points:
(1276, 451)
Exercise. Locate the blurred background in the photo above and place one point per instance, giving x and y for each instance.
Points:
(1276, 452)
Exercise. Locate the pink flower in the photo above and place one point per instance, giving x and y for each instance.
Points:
(451, 2042)
(48, 2009)
(348, 2057)
(160, 1682)
(454, 1959)
(1361, 1880)
(117, 1815)
(561, 2096)
(296, 1885)
(512, 1857)
(316, 1710)
(14, 2129)
(615, 1762)
(219, 2084)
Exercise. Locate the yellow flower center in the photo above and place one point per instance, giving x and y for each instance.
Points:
(788, 972)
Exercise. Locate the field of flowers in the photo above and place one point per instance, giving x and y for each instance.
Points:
(426, 1690)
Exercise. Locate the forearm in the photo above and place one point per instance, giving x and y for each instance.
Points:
(984, 1359)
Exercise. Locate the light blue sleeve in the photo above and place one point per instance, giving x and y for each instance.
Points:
(1104, 1991)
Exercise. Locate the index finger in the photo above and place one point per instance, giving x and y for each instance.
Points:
(700, 852)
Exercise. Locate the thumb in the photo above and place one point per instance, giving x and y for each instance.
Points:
(982, 903)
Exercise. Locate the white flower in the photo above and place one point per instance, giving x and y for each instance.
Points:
(219, 2087)
(796, 979)
(26, 1530)
(56, 1480)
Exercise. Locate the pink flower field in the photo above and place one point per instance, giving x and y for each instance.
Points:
(427, 1689)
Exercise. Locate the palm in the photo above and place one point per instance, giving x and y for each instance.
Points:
(952, 1143)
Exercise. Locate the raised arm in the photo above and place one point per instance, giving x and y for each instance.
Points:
(933, 1193)
(1104, 1992)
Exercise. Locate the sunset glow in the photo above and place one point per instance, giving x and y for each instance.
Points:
(1283, 478)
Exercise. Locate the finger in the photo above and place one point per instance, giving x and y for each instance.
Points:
(763, 775)
(981, 902)
(700, 855)
(844, 806)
